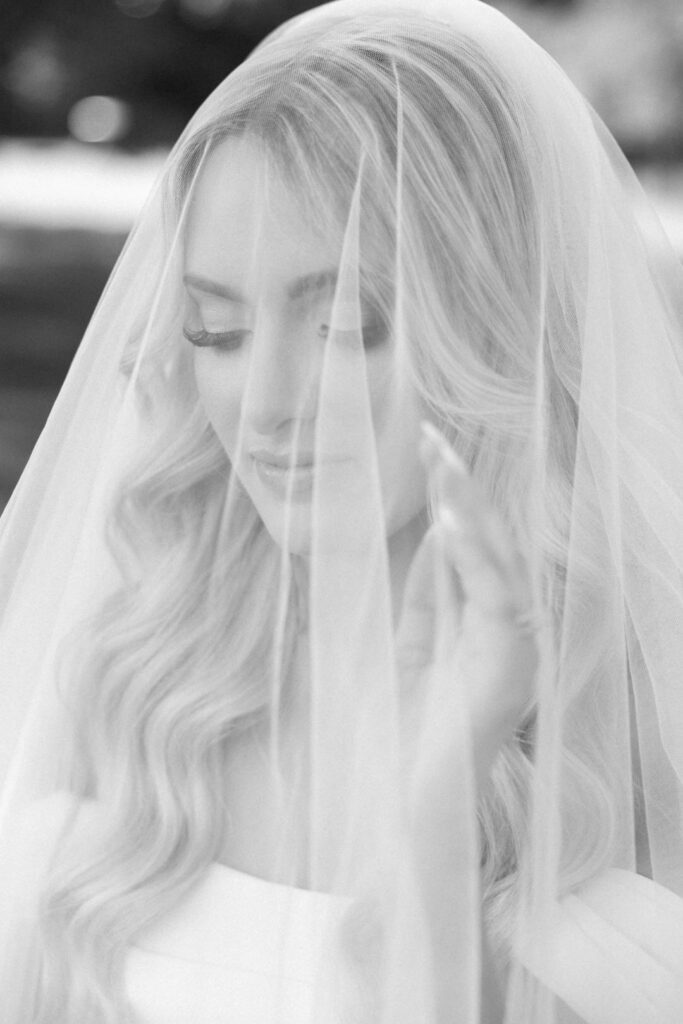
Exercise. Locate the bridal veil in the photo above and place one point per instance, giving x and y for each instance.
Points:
(391, 211)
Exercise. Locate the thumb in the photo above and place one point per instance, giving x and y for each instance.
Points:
(416, 632)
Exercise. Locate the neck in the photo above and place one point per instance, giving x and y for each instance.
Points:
(401, 548)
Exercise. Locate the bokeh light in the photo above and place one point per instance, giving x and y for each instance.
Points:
(36, 74)
(67, 186)
(139, 8)
(99, 119)
(205, 9)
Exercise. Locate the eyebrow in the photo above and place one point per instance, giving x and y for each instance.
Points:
(296, 289)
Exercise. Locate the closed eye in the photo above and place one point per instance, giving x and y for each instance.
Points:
(226, 341)
(374, 335)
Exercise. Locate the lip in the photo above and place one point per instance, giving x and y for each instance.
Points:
(283, 459)
(291, 481)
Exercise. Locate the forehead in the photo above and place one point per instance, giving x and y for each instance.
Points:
(246, 226)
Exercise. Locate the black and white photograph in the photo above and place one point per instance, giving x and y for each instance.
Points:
(341, 512)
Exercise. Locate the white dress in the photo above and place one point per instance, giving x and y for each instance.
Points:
(237, 950)
(242, 950)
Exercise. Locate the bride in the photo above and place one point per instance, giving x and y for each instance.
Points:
(341, 597)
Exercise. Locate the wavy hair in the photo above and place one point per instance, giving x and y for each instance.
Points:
(170, 667)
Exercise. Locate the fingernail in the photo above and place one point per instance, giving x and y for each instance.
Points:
(431, 433)
(436, 438)
(428, 447)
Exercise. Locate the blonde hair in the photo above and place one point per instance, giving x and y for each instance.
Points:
(162, 677)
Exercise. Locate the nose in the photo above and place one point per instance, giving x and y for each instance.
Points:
(282, 379)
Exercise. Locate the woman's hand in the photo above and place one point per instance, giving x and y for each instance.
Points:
(496, 654)
(469, 579)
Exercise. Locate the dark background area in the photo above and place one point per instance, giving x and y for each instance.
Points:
(102, 88)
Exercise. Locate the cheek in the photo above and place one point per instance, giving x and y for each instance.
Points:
(220, 393)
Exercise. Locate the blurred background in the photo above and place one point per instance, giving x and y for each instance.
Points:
(92, 96)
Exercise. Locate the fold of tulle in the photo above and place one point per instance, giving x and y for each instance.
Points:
(612, 950)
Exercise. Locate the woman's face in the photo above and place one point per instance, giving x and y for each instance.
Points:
(260, 284)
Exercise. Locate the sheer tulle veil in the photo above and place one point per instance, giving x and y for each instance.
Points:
(391, 212)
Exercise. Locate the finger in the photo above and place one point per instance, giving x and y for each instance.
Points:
(458, 491)
(419, 592)
(476, 538)
(416, 628)
(462, 497)
(427, 597)
(485, 581)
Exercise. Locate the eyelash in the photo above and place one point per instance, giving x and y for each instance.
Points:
(229, 341)
(374, 334)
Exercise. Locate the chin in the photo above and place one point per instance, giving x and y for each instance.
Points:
(295, 535)
(297, 541)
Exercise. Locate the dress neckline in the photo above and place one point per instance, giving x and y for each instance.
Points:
(237, 921)
(230, 874)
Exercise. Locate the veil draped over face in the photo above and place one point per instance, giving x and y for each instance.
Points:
(231, 631)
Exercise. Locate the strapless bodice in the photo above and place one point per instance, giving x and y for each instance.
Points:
(236, 950)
